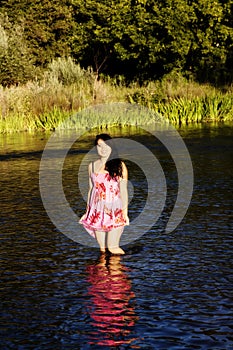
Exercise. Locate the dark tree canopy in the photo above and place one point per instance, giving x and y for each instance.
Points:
(141, 39)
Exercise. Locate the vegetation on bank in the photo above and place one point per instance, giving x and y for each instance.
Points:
(65, 89)
(60, 57)
(141, 40)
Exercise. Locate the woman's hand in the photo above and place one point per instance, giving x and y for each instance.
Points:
(83, 217)
(126, 220)
(125, 215)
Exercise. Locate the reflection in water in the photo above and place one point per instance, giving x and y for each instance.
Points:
(182, 280)
(110, 308)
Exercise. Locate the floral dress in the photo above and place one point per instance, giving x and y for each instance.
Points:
(104, 211)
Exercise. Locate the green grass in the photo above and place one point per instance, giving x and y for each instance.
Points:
(112, 114)
(70, 97)
(199, 109)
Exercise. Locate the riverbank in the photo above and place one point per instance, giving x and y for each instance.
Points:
(66, 89)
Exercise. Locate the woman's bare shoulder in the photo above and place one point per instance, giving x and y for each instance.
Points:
(93, 166)
(123, 165)
(124, 171)
(90, 167)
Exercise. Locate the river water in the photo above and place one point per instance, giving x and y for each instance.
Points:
(169, 291)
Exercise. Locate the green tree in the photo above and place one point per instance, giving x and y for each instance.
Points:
(148, 38)
(142, 39)
(211, 33)
(48, 26)
(15, 57)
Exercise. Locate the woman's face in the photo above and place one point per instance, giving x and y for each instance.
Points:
(103, 149)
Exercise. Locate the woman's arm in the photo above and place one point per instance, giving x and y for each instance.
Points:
(89, 193)
(90, 184)
(124, 192)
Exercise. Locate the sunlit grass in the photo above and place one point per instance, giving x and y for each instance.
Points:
(199, 109)
(68, 96)
(112, 114)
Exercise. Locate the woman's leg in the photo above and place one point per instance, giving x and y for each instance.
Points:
(114, 240)
(100, 237)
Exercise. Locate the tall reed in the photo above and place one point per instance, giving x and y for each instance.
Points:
(198, 109)
(67, 90)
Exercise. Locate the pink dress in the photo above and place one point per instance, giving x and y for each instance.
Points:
(104, 211)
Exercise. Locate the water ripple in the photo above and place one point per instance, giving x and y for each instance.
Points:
(170, 291)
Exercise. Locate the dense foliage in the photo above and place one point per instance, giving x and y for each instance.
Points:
(139, 39)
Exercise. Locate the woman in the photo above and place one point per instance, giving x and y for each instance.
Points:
(107, 204)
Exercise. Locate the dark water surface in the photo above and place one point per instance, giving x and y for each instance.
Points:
(170, 291)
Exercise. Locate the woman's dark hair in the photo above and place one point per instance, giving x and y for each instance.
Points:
(114, 163)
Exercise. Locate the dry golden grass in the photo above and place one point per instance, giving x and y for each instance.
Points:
(65, 89)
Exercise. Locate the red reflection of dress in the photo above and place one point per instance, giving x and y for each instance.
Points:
(105, 206)
(111, 311)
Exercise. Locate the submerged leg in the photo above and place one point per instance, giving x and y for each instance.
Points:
(113, 241)
(100, 237)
